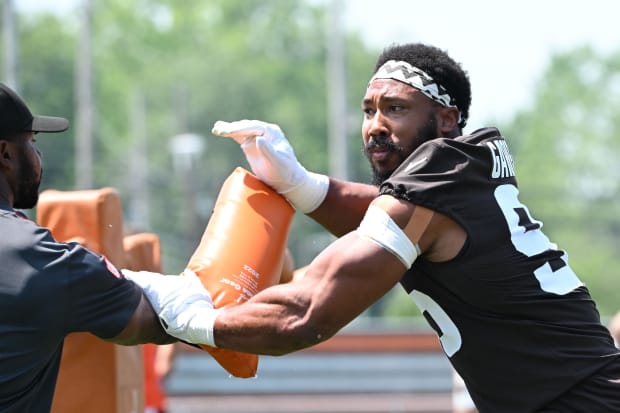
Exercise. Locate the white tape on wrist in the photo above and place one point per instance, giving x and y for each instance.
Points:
(199, 328)
(310, 194)
(379, 227)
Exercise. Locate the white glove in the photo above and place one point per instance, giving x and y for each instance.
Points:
(272, 159)
(182, 303)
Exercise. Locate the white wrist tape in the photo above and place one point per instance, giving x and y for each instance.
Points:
(379, 227)
(310, 194)
(197, 325)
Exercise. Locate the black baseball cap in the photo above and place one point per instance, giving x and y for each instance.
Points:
(16, 117)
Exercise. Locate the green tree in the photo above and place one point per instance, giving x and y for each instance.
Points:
(46, 50)
(566, 150)
(193, 63)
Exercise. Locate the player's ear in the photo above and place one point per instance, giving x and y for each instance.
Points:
(6, 154)
(448, 120)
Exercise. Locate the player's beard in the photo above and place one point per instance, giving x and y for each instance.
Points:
(26, 193)
(427, 132)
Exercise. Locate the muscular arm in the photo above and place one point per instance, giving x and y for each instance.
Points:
(344, 206)
(344, 280)
(339, 284)
(143, 327)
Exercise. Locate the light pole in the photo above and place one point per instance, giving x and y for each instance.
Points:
(186, 150)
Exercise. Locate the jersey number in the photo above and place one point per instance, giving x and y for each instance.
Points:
(554, 276)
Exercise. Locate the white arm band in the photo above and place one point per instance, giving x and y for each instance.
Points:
(379, 227)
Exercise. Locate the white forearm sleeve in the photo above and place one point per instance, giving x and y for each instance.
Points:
(379, 227)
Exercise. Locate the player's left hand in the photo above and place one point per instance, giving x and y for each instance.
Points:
(181, 302)
(273, 160)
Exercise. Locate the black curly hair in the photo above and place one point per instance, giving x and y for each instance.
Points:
(439, 65)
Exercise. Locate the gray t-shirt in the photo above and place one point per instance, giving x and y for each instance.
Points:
(49, 289)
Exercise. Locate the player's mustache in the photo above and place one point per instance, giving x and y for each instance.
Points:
(381, 141)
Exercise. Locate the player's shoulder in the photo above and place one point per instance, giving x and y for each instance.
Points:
(444, 168)
(443, 157)
(480, 136)
(461, 154)
(17, 229)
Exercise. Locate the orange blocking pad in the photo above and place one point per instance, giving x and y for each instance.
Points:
(143, 253)
(242, 252)
(95, 376)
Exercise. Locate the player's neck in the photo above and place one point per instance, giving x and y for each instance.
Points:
(6, 200)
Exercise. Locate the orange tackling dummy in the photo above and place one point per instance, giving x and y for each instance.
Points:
(242, 252)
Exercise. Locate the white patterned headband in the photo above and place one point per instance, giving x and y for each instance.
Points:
(418, 79)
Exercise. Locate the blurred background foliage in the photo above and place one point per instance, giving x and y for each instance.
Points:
(165, 68)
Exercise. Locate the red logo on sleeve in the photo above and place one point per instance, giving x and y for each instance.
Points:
(112, 268)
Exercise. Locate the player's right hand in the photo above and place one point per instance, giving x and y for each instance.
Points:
(273, 160)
